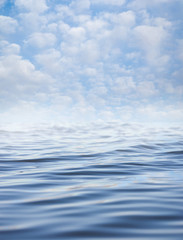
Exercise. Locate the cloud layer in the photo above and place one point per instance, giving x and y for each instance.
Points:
(85, 60)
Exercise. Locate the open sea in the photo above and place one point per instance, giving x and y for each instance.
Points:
(97, 181)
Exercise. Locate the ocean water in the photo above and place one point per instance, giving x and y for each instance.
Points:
(98, 181)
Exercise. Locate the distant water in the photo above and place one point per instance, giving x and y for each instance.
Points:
(112, 181)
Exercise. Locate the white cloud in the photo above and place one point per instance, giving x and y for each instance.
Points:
(96, 27)
(106, 115)
(8, 25)
(7, 48)
(50, 61)
(155, 113)
(31, 22)
(78, 43)
(96, 95)
(108, 2)
(132, 55)
(151, 40)
(32, 5)
(89, 58)
(137, 4)
(146, 89)
(180, 49)
(124, 85)
(80, 5)
(162, 22)
(100, 37)
(64, 28)
(27, 113)
(89, 71)
(41, 40)
(170, 88)
(76, 34)
(90, 52)
(20, 79)
(126, 18)
(63, 11)
(61, 102)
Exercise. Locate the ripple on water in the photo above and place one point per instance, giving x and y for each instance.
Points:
(113, 181)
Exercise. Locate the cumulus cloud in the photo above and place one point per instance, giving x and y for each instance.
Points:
(41, 40)
(50, 61)
(7, 48)
(151, 40)
(76, 34)
(180, 48)
(90, 59)
(32, 5)
(154, 113)
(124, 85)
(80, 5)
(146, 89)
(108, 2)
(144, 3)
(8, 25)
(31, 22)
(19, 77)
(126, 18)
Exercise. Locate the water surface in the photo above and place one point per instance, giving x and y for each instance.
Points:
(112, 181)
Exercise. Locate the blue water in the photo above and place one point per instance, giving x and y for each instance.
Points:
(98, 181)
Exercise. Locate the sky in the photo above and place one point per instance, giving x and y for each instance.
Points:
(91, 60)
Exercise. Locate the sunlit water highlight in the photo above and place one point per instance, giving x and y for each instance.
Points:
(112, 181)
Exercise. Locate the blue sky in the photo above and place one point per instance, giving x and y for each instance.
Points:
(88, 60)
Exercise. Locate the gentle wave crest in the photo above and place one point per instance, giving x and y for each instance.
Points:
(98, 182)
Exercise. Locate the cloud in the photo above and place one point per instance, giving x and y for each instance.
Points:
(151, 40)
(80, 5)
(19, 77)
(90, 59)
(90, 52)
(7, 48)
(50, 61)
(32, 5)
(145, 4)
(31, 22)
(180, 49)
(124, 85)
(126, 18)
(157, 113)
(76, 34)
(108, 2)
(41, 40)
(146, 89)
(8, 25)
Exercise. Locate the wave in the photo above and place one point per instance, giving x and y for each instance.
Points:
(110, 182)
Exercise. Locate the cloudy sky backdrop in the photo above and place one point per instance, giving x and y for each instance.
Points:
(85, 60)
